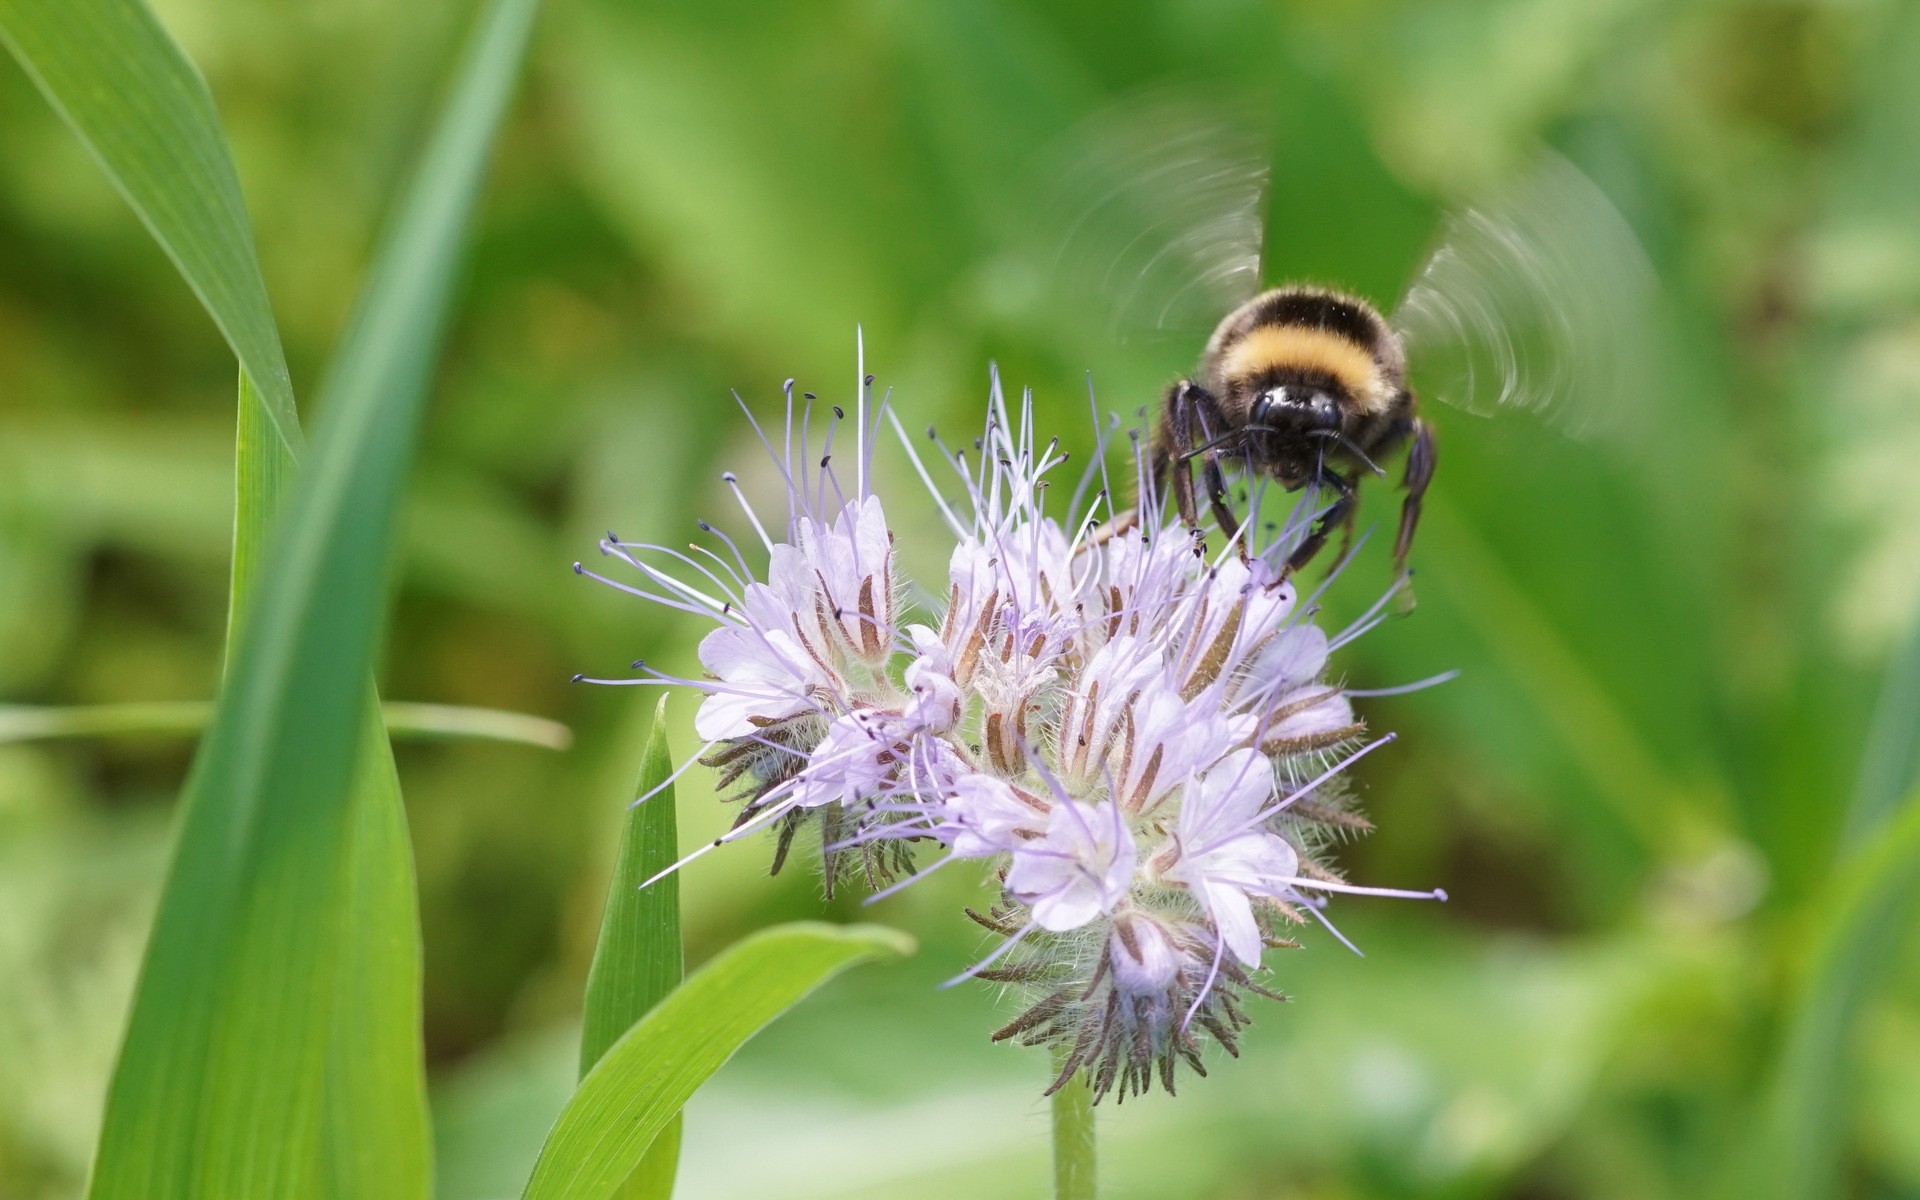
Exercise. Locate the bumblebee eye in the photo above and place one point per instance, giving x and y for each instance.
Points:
(1262, 412)
(1324, 410)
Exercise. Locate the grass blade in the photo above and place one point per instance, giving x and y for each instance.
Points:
(1890, 764)
(263, 470)
(644, 1079)
(1863, 925)
(142, 109)
(222, 1087)
(175, 718)
(637, 960)
(376, 1136)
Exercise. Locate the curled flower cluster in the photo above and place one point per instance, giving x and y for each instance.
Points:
(1138, 738)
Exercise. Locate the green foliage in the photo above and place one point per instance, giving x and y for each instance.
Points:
(1800, 1148)
(637, 960)
(19, 723)
(277, 1012)
(375, 1136)
(638, 1086)
(143, 110)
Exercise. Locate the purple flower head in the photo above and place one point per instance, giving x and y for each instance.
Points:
(1139, 739)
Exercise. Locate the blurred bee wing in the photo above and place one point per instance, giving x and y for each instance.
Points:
(1541, 300)
(1160, 202)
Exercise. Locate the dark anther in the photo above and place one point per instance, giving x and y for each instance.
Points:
(729, 477)
(704, 527)
(824, 460)
(578, 569)
(931, 435)
(787, 386)
(809, 395)
(637, 664)
(839, 412)
(578, 678)
(869, 381)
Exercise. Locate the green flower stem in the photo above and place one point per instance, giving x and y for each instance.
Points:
(1073, 1158)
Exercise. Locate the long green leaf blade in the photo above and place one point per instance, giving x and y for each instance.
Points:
(222, 1081)
(376, 1136)
(637, 961)
(1890, 762)
(142, 109)
(1863, 925)
(646, 1077)
(146, 718)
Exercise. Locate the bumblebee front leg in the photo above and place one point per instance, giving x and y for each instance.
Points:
(1340, 514)
(1217, 496)
(1191, 420)
(1172, 450)
(1420, 462)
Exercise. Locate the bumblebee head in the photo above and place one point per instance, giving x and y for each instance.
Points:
(1294, 409)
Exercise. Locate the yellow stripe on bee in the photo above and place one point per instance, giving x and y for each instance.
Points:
(1311, 349)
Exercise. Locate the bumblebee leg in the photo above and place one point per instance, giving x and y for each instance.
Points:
(1346, 539)
(1340, 514)
(1420, 462)
(1203, 410)
(1170, 452)
(1222, 511)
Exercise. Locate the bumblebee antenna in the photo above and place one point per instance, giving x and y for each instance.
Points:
(1228, 436)
(1352, 449)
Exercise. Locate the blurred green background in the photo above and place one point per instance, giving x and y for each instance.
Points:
(1639, 793)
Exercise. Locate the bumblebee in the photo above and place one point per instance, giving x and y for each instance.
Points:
(1537, 298)
(1307, 386)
